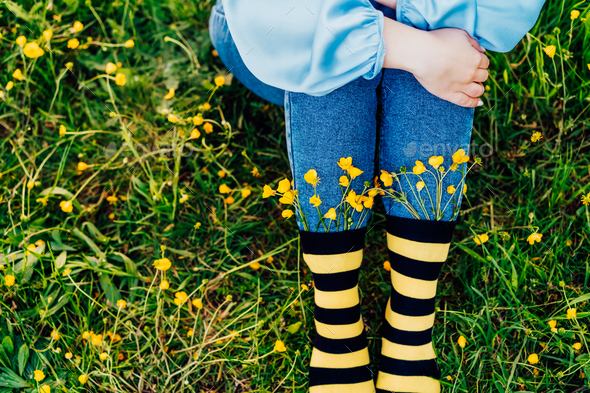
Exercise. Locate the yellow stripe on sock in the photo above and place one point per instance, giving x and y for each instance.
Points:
(339, 331)
(339, 360)
(363, 387)
(407, 352)
(413, 287)
(337, 299)
(404, 322)
(336, 263)
(426, 252)
(399, 383)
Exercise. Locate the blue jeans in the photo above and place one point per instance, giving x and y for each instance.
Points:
(414, 125)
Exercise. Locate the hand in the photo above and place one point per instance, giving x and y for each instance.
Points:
(447, 62)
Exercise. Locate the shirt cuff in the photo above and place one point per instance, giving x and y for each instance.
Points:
(408, 14)
(379, 57)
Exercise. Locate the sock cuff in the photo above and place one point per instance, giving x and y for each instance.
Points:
(329, 243)
(424, 231)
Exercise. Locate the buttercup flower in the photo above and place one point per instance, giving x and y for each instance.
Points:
(288, 198)
(571, 313)
(195, 133)
(464, 188)
(536, 136)
(354, 172)
(62, 130)
(267, 191)
(69, 355)
(169, 95)
(577, 346)
(121, 303)
(96, 339)
(586, 199)
(549, 50)
(32, 50)
(54, 335)
(129, 44)
(120, 79)
(533, 358)
(66, 206)
(343, 181)
(38, 375)
(287, 213)
(352, 199)
(47, 34)
(574, 14)
(534, 237)
(436, 161)
(224, 189)
(82, 166)
(245, 193)
(78, 26)
(229, 200)
(345, 163)
(164, 284)
(17, 74)
(180, 297)
(112, 200)
(419, 168)
(284, 186)
(368, 202)
(451, 189)
(331, 214)
(83, 379)
(9, 280)
(21, 41)
(45, 389)
(198, 120)
(315, 201)
(198, 303)
(219, 81)
(162, 264)
(279, 346)
(110, 68)
(172, 118)
(462, 341)
(312, 177)
(9, 85)
(552, 325)
(481, 239)
(387, 266)
(73, 43)
(208, 128)
(459, 157)
(420, 185)
(386, 178)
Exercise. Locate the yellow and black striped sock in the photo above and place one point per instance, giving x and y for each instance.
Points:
(417, 252)
(340, 358)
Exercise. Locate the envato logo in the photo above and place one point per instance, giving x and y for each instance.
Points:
(426, 150)
(150, 150)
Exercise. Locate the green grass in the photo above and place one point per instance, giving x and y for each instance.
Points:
(499, 296)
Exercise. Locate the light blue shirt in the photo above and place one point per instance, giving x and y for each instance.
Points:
(317, 46)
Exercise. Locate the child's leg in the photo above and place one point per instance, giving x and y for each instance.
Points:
(416, 125)
(320, 131)
(228, 52)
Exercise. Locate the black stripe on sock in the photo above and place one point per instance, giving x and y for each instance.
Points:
(414, 268)
(322, 243)
(337, 376)
(331, 282)
(339, 346)
(410, 368)
(405, 337)
(337, 316)
(420, 230)
(410, 306)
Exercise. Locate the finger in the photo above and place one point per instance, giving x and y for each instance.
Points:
(476, 44)
(464, 100)
(481, 75)
(484, 62)
(474, 89)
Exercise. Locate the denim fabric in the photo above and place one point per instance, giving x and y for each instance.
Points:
(415, 125)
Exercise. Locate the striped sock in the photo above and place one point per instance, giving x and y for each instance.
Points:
(340, 358)
(417, 252)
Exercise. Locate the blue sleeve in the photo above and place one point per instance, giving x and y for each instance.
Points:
(311, 47)
(498, 25)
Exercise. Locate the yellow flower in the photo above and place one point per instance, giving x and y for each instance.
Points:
(279, 346)
(224, 189)
(229, 200)
(255, 265)
(481, 239)
(21, 41)
(30, 185)
(462, 341)
(120, 79)
(550, 50)
(86, 335)
(534, 237)
(352, 199)
(451, 189)
(73, 43)
(9, 280)
(197, 225)
(38, 375)
(17, 74)
(162, 264)
(110, 68)
(577, 346)
(112, 200)
(245, 193)
(419, 168)
(129, 44)
(9, 85)
(66, 206)
(103, 356)
(284, 186)
(82, 166)
(164, 284)
(220, 80)
(180, 297)
(459, 157)
(387, 266)
(172, 118)
(533, 358)
(312, 177)
(121, 303)
(586, 199)
(62, 130)
(288, 198)
(386, 178)
(368, 203)
(78, 26)
(198, 303)
(83, 379)
(354, 172)
(464, 188)
(169, 95)
(45, 389)
(574, 14)
(345, 163)
(304, 287)
(190, 332)
(287, 213)
(344, 181)
(206, 106)
(195, 133)
(69, 355)
(331, 214)
(267, 191)
(208, 127)
(69, 65)
(54, 335)
(420, 185)
(436, 161)
(315, 201)
(536, 136)
(198, 120)
(32, 50)
(96, 339)
(571, 313)
(552, 324)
